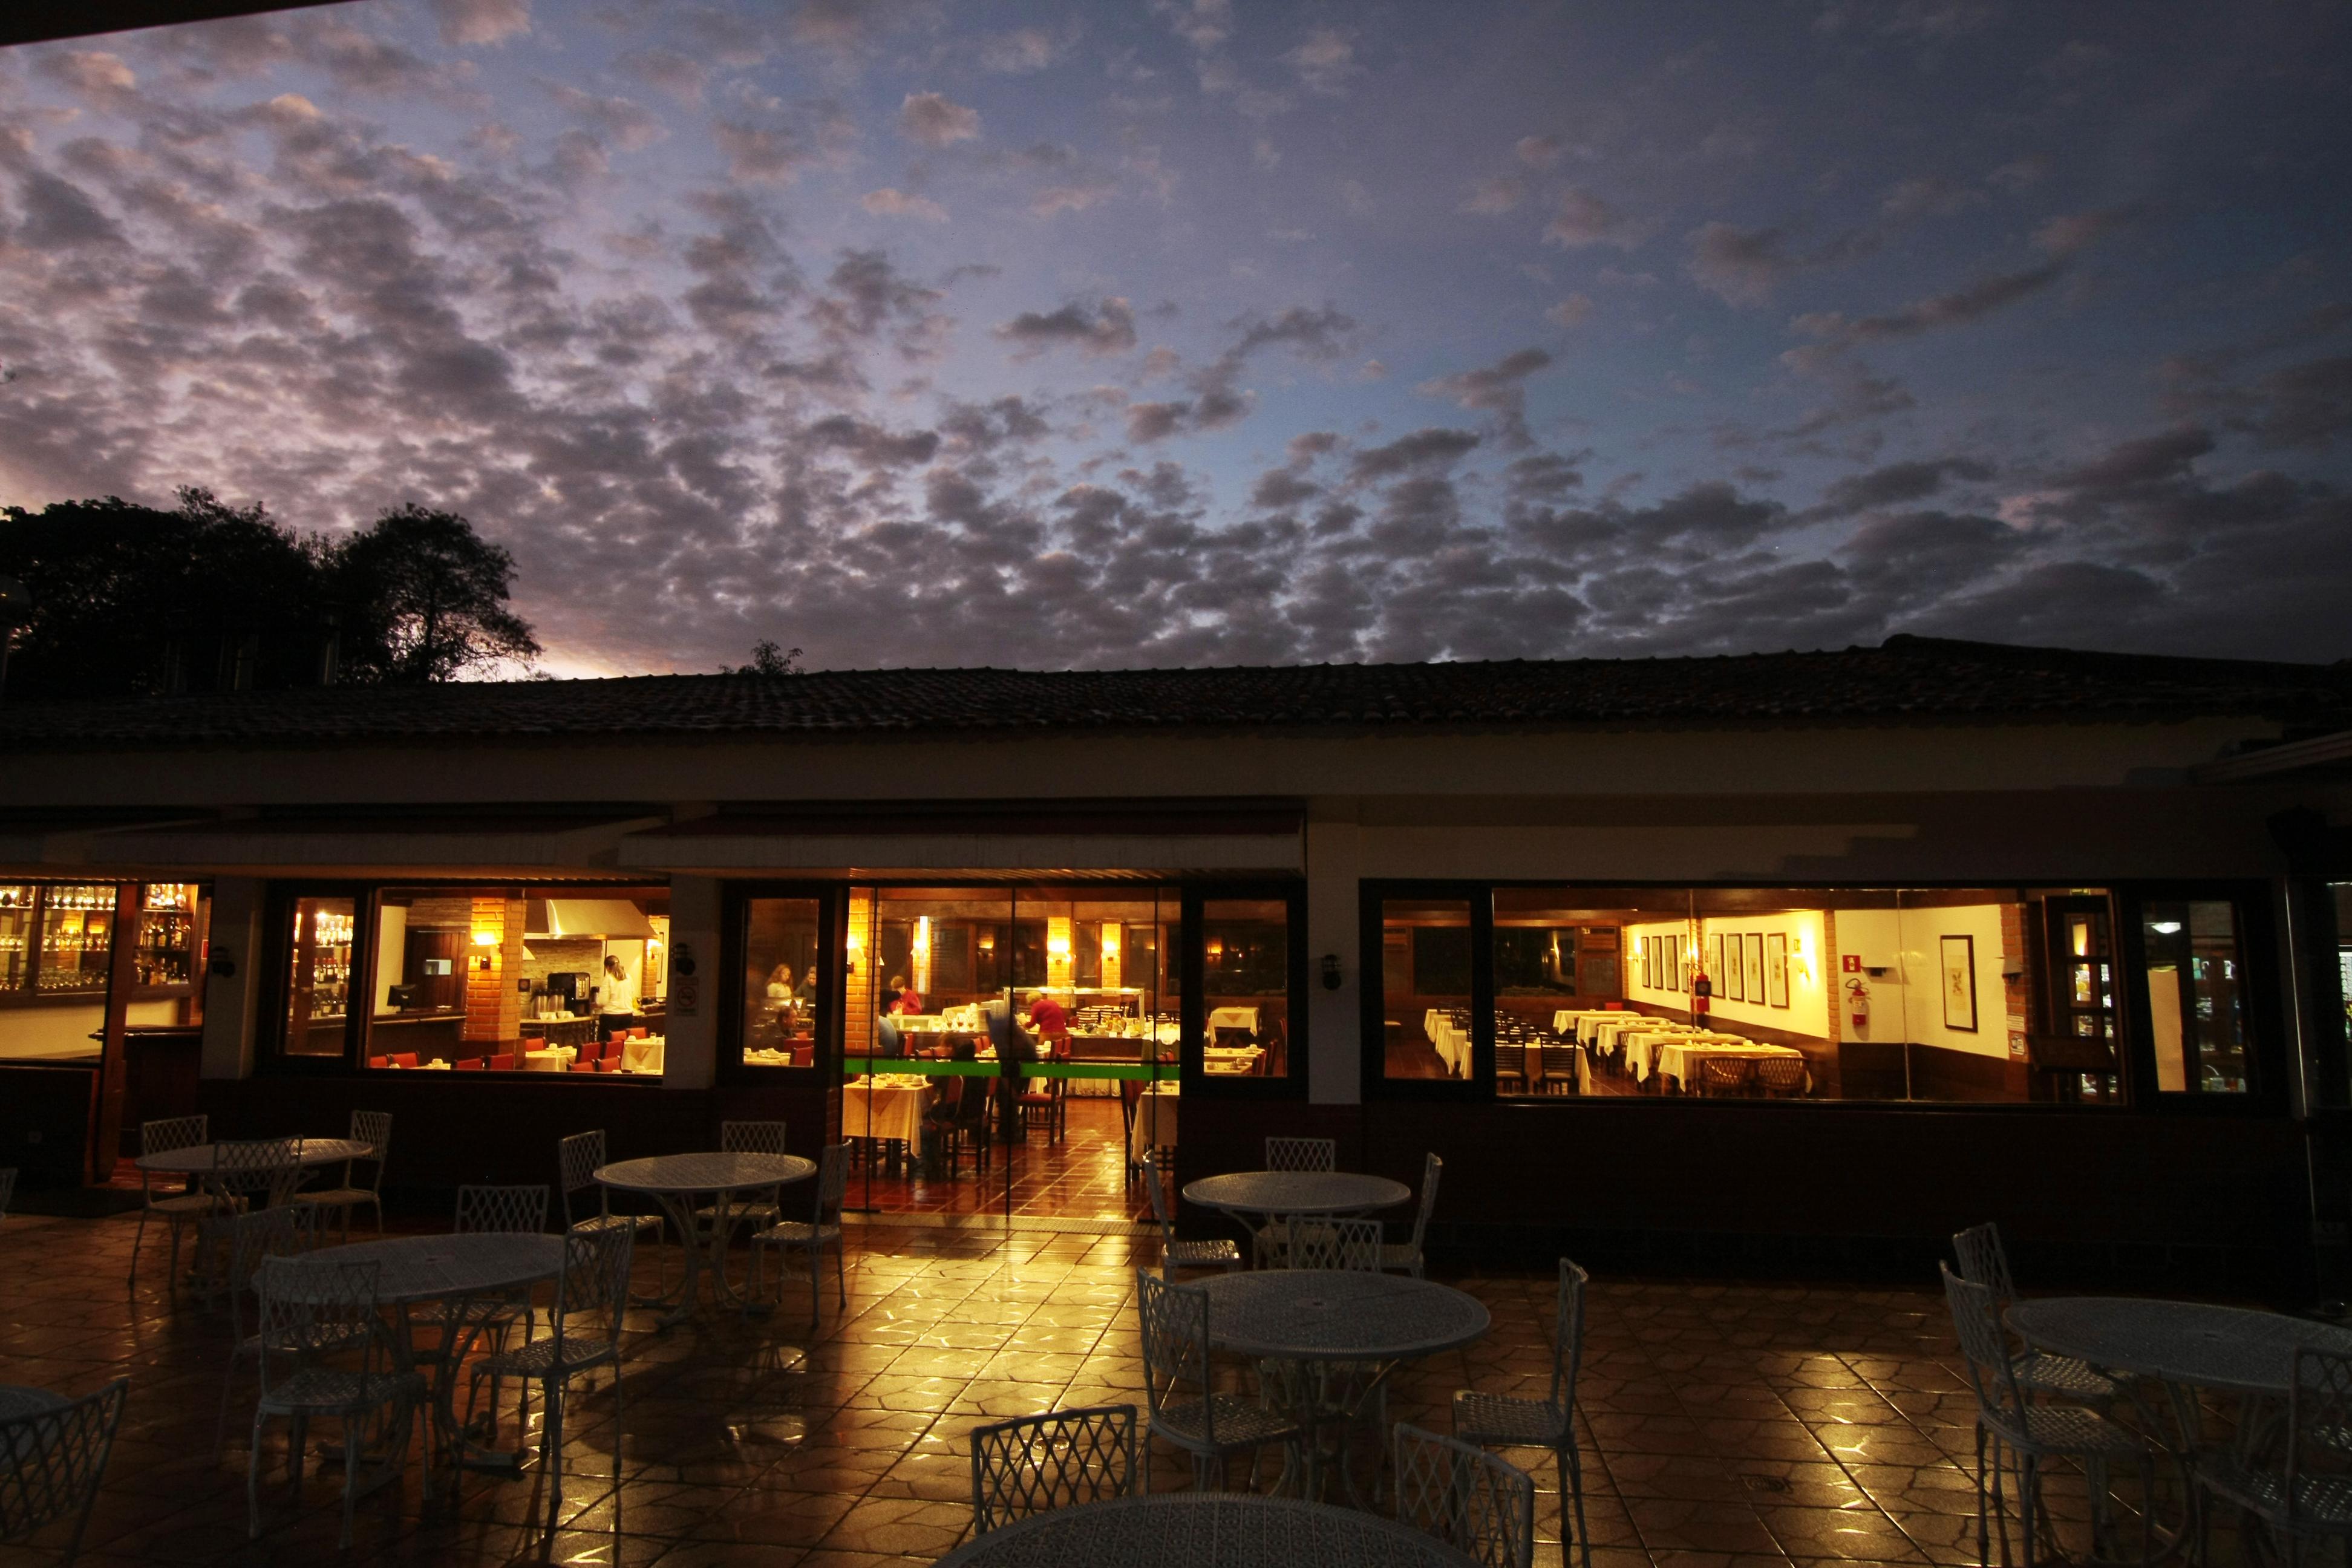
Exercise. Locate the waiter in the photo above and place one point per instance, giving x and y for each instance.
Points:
(616, 1000)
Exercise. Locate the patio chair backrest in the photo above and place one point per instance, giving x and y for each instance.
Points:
(313, 1307)
(752, 1138)
(1568, 1337)
(374, 1128)
(592, 1295)
(1175, 1321)
(51, 1463)
(504, 1209)
(1159, 1190)
(1984, 1346)
(579, 1157)
(1317, 1242)
(832, 1182)
(173, 1132)
(1985, 1261)
(2319, 1417)
(1480, 1503)
(1037, 1463)
(283, 1231)
(1432, 1168)
(1302, 1155)
(256, 1168)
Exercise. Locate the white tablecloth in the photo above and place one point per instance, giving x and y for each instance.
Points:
(1155, 1121)
(1240, 1059)
(645, 1055)
(1233, 1018)
(1680, 1059)
(1452, 1044)
(1567, 1021)
(554, 1058)
(897, 1111)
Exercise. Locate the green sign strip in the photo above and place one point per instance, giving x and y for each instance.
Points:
(915, 1065)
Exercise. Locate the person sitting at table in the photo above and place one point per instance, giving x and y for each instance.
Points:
(946, 1102)
(779, 983)
(904, 998)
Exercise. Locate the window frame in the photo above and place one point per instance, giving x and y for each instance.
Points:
(734, 944)
(1371, 979)
(2259, 955)
(278, 954)
(1193, 968)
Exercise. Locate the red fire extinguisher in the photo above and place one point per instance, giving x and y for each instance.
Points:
(1858, 1005)
(1701, 988)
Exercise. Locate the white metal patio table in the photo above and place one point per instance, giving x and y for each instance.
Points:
(198, 1159)
(477, 1268)
(676, 1181)
(1331, 1337)
(1204, 1530)
(2186, 1346)
(1294, 1192)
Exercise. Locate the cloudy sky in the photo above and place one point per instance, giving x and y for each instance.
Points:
(946, 332)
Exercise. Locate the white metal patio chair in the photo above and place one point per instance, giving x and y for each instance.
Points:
(762, 1207)
(1216, 1253)
(51, 1462)
(1984, 1260)
(372, 1128)
(1408, 1255)
(1317, 1241)
(486, 1210)
(2307, 1493)
(1500, 1421)
(1034, 1464)
(1302, 1153)
(813, 1235)
(243, 1239)
(1186, 1409)
(1478, 1503)
(177, 1210)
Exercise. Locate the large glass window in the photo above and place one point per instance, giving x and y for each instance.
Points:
(2196, 996)
(319, 954)
(1245, 975)
(783, 973)
(1425, 985)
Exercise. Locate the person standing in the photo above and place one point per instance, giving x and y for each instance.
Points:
(616, 999)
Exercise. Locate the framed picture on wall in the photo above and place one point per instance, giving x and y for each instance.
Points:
(1649, 963)
(1715, 961)
(1755, 945)
(1732, 986)
(1959, 977)
(1776, 968)
(1673, 963)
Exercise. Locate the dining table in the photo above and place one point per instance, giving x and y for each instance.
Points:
(198, 1159)
(677, 1181)
(1206, 1530)
(1154, 1126)
(1329, 1339)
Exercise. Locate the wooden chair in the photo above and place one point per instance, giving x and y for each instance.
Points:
(1559, 1070)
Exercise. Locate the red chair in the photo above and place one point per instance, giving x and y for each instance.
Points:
(403, 1058)
(804, 1055)
(589, 1051)
(379, 1061)
(610, 1064)
(502, 1064)
(617, 1039)
(533, 1043)
(583, 1067)
(468, 1063)
(636, 1034)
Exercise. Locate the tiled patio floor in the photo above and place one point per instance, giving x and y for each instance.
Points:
(1722, 1423)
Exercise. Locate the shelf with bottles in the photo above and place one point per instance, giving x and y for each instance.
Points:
(55, 939)
(169, 950)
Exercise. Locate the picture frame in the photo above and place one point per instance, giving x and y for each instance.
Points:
(1673, 963)
(1755, 945)
(1649, 971)
(1734, 988)
(1776, 968)
(1959, 983)
(1715, 960)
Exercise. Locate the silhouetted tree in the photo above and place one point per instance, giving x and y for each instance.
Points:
(423, 598)
(767, 658)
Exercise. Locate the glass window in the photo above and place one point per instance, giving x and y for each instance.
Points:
(782, 972)
(77, 940)
(2339, 902)
(1247, 1025)
(319, 976)
(56, 945)
(2195, 1005)
(1425, 975)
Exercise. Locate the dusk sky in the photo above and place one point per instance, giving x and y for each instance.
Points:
(1189, 331)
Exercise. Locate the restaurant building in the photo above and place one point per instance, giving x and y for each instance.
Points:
(1712, 962)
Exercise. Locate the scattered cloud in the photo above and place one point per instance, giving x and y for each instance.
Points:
(1325, 62)
(1572, 311)
(1100, 327)
(1490, 198)
(889, 202)
(930, 120)
(1583, 219)
(467, 24)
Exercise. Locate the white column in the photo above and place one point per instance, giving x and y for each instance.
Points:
(690, 1059)
(232, 1001)
(1335, 1053)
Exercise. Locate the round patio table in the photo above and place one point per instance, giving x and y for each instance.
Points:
(1294, 1192)
(484, 1268)
(1204, 1530)
(1332, 1337)
(676, 1181)
(2191, 1343)
(198, 1159)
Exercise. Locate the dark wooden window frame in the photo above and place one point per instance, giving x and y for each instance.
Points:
(1193, 967)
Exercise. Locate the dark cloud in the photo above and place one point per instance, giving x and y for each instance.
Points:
(1898, 483)
(1958, 307)
(1499, 389)
(1423, 450)
(1105, 326)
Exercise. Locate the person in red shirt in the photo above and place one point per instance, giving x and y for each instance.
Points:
(1049, 1024)
(907, 999)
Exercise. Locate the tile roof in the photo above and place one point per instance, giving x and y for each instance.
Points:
(1909, 680)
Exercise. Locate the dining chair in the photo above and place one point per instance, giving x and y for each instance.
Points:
(1559, 1070)
(245, 1240)
(820, 1230)
(1302, 1155)
(1984, 1260)
(2306, 1491)
(1318, 1241)
(177, 1210)
(970, 1127)
(326, 1353)
(578, 1159)
(1504, 1421)
(372, 1128)
(1408, 1255)
(1186, 1409)
(1511, 1069)
(51, 1462)
(403, 1058)
(1480, 1504)
(1722, 1078)
(483, 1210)
(746, 1138)
(1780, 1078)
(2006, 1419)
(1034, 1464)
(585, 1326)
(1215, 1253)
(502, 1061)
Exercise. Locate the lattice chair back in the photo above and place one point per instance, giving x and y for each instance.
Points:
(579, 1157)
(1780, 1075)
(374, 1128)
(253, 1236)
(315, 1306)
(592, 1296)
(1478, 1503)
(1432, 1168)
(1059, 1459)
(752, 1138)
(52, 1461)
(1175, 1348)
(2319, 1423)
(173, 1132)
(1985, 1261)
(1316, 1242)
(517, 1209)
(1159, 1190)
(831, 1182)
(1992, 1375)
(1302, 1155)
(256, 1169)
(1568, 1337)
